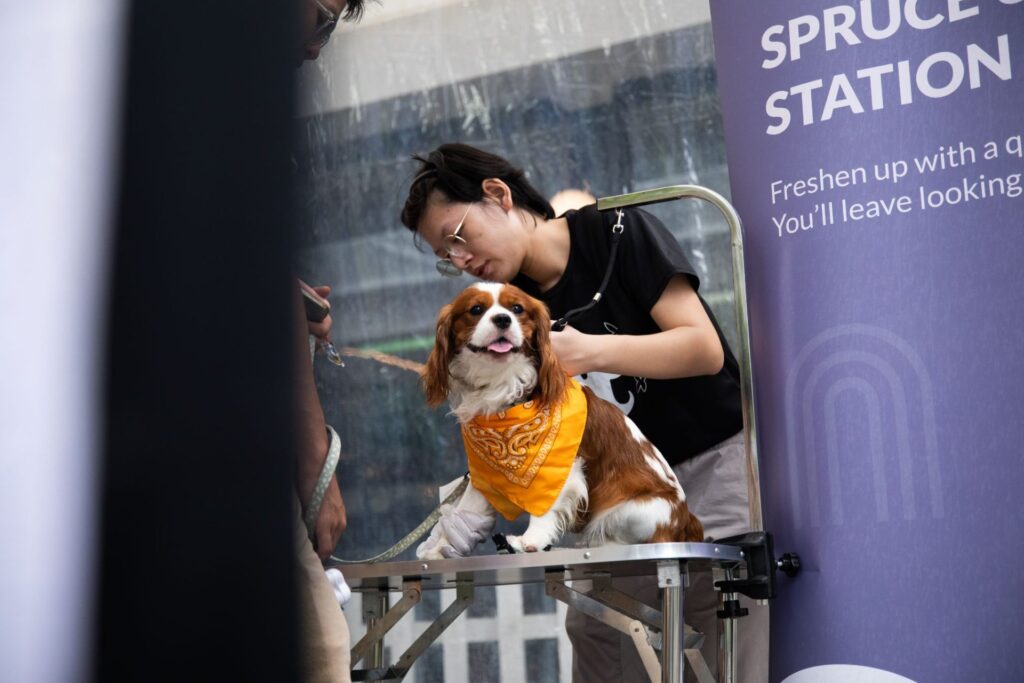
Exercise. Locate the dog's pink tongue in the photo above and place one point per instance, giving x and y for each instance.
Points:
(500, 346)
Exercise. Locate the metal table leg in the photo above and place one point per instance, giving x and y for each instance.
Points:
(375, 606)
(371, 645)
(727, 643)
(671, 580)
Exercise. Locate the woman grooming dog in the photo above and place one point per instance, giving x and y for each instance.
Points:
(650, 345)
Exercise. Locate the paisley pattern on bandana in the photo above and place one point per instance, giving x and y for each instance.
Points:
(520, 458)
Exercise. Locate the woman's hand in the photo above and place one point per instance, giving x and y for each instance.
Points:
(576, 351)
(686, 346)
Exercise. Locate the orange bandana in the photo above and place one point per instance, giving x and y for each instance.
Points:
(520, 458)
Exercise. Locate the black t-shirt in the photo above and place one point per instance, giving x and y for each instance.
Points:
(682, 417)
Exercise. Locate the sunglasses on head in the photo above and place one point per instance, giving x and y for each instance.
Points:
(326, 22)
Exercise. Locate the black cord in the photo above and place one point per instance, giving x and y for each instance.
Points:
(560, 324)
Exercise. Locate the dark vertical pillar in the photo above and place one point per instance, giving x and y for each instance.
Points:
(196, 563)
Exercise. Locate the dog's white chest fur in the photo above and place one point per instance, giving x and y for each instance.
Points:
(483, 388)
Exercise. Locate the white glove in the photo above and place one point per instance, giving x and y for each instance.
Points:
(342, 593)
(457, 533)
(465, 529)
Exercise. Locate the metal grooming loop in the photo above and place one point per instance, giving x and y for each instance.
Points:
(650, 629)
(673, 192)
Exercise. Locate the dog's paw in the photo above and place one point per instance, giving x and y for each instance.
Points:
(517, 544)
(430, 554)
(522, 544)
(433, 548)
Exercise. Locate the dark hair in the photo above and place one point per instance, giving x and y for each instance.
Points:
(457, 171)
(353, 10)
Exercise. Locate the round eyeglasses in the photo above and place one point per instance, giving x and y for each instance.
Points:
(454, 246)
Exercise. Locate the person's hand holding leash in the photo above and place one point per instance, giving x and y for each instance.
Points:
(314, 440)
(331, 522)
(332, 519)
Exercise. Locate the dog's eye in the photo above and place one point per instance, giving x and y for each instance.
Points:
(517, 309)
(477, 310)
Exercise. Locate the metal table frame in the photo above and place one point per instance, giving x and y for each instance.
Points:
(649, 629)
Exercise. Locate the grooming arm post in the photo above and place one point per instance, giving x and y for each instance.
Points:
(673, 192)
(727, 644)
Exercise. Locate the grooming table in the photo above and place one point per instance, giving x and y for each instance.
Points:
(650, 629)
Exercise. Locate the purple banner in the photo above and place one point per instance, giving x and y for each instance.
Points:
(875, 155)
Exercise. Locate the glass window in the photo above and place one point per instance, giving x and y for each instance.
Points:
(636, 106)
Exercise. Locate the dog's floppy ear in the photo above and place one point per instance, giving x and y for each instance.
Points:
(435, 375)
(551, 377)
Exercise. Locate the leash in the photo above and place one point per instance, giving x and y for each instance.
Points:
(326, 472)
(414, 535)
(331, 463)
(617, 229)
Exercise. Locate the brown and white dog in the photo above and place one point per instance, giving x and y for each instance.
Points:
(493, 351)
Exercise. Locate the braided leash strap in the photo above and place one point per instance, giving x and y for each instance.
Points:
(327, 471)
(330, 464)
(414, 535)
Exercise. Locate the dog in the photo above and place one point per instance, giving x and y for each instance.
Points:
(527, 425)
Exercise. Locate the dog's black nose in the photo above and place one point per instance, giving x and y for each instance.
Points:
(502, 321)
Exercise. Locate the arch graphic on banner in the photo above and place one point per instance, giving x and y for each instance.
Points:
(889, 399)
(845, 673)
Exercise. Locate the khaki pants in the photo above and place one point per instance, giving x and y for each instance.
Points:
(715, 483)
(324, 639)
